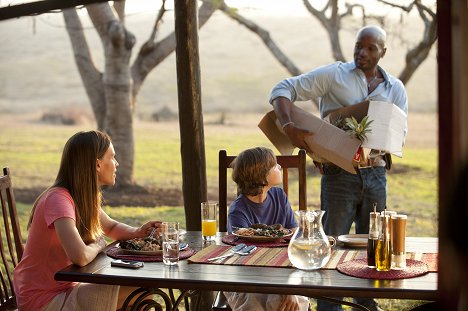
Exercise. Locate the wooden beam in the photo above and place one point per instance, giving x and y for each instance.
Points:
(453, 146)
(40, 7)
(192, 143)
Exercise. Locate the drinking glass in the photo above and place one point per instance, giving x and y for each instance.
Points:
(208, 217)
(170, 243)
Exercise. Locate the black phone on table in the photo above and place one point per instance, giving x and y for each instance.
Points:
(127, 264)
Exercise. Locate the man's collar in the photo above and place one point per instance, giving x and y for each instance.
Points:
(382, 71)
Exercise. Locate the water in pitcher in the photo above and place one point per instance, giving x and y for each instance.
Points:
(309, 248)
(309, 254)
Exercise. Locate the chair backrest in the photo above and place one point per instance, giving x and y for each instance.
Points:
(290, 161)
(11, 243)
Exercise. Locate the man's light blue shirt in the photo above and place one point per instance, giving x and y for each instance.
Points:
(339, 85)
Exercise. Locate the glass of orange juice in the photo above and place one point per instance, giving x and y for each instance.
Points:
(208, 217)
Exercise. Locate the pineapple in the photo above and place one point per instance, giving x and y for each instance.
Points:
(356, 129)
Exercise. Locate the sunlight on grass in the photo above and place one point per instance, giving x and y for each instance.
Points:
(34, 156)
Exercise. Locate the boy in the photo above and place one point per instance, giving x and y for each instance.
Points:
(256, 173)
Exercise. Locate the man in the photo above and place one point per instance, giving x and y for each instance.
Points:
(345, 197)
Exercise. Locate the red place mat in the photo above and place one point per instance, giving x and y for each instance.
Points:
(359, 268)
(118, 253)
(234, 240)
(262, 257)
(342, 255)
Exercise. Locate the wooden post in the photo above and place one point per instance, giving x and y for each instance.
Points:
(453, 143)
(192, 143)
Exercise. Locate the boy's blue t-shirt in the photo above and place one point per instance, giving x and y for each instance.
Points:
(274, 210)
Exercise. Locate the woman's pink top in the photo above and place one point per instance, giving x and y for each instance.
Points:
(43, 255)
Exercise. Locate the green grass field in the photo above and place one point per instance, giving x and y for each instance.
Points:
(32, 151)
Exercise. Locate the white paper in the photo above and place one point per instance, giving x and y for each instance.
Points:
(388, 128)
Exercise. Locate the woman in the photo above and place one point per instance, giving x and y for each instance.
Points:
(67, 225)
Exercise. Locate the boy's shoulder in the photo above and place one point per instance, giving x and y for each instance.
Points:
(277, 190)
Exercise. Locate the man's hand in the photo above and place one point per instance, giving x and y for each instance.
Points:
(289, 303)
(297, 136)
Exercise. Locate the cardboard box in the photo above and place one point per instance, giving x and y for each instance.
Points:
(331, 144)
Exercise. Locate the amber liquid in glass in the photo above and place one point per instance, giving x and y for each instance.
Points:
(382, 255)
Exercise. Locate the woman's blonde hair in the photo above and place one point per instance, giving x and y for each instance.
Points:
(251, 168)
(77, 174)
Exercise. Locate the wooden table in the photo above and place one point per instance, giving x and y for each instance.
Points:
(210, 277)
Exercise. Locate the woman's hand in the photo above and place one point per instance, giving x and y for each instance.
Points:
(289, 303)
(146, 229)
(120, 231)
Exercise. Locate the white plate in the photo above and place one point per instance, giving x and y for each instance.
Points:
(356, 240)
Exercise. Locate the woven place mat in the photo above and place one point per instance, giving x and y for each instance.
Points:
(234, 240)
(262, 256)
(359, 268)
(118, 253)
(344, 255)
(278, 257)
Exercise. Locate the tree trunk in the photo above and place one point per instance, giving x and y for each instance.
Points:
(117, 86)
(192, 143)
(90, 75)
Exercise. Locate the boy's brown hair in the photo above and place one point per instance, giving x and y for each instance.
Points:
(250, 169)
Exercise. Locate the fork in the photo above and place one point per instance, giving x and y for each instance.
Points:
(246, 250)
(234, 249)
(150, 236)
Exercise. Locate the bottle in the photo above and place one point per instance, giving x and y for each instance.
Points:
(399, 241)
(373, 238)
(383, 255)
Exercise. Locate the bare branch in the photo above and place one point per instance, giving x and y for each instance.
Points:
(402, 7)
(148, 46)
(119, 7)
(265, 36)
(154, 54)
(418, 54)
(331, 24)
(158, 21)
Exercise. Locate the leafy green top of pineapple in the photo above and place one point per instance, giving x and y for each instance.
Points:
(355, 128)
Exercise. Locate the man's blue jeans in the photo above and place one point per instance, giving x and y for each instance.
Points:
(349, 198)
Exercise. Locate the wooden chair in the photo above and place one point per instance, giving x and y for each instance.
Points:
(287, 162)
(290, 161)
(11, 243)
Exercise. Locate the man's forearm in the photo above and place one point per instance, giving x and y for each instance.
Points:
(282, 107)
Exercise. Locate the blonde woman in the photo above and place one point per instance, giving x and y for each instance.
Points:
(67, 226)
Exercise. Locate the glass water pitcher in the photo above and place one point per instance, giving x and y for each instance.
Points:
(309, 248)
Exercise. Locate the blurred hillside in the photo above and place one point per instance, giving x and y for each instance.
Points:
(38, 73)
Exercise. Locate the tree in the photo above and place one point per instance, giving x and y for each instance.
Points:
(331, 18)
(113, 93)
